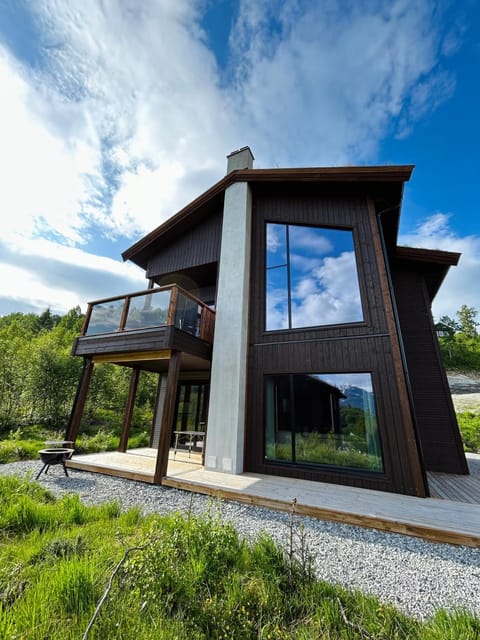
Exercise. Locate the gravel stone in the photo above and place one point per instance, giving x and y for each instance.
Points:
(416, 576)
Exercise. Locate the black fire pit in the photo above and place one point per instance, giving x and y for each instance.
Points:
(54, 456)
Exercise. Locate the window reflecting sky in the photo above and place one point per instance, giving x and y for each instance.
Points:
(323, 287)
(342, 381)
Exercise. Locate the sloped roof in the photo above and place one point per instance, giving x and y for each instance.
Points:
(193, 212)
(433, 263)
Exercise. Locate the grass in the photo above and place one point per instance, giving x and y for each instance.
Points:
(25, 442)
(326, 449)
(174, 577)
(469, 423)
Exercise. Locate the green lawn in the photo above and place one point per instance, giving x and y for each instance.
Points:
(173, 577)
(25, 442)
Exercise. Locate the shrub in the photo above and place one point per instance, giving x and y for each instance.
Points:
(179, 578)
(25, 507)
(13, 450)
(469, 424)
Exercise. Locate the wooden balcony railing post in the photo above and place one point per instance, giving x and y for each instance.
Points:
(86, 320)
(172, 307)
(123, 319)
(207, 324)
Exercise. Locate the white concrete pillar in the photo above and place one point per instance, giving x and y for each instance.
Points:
(226, 417)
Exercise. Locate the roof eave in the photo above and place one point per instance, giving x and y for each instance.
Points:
(387, 173)
(436, 264)
(432, 256)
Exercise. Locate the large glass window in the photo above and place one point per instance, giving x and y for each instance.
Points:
(322, 419)
(311, 277)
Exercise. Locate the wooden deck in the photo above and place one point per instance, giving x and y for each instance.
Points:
(135, 464)
(451, 515)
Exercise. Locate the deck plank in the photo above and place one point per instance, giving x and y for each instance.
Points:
(453, 487)
(452, 515)
(429, 518)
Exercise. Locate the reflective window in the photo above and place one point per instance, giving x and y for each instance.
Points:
(311, 277)
(322, 419)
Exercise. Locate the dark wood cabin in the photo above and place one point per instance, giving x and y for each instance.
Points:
(324, 362)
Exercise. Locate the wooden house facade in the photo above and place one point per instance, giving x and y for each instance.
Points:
(282, 309)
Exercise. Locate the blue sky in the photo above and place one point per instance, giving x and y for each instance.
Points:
(115, 114)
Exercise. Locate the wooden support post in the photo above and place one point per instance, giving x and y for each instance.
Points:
(172, 307)
(79, 402)
(124, 316)
(167, 417)
(157, 415)
(127, 418)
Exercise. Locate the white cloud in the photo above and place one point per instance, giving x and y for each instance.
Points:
(435, 226)
(144, 74)
(144, 197)
(23, 285)
(316, 241)
(277, 309)
(461, 283)
(40, 273)
(332, 82)
(331, 296)
(125, 118)
(275, 237)
(128, 86)
(135, 86)
(45, 177)
(345, 380)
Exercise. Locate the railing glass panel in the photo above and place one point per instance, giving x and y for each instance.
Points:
(150, 310)
(153, 308)
(187, 315)
(105, 317)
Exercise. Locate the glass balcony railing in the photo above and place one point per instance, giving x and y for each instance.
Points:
(149, 309)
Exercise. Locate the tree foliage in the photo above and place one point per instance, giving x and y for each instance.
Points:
(459, 340)
(39, 376)
(467, 323)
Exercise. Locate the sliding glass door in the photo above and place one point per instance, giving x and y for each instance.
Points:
(191, 414)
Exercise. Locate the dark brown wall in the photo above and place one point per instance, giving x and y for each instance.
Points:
(197, 246)
(371, 346)
(139, 341)
(128, 341)
(435, 414)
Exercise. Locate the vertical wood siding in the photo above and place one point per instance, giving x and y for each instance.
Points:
(198, 246)
(436, 420)
(360, 347)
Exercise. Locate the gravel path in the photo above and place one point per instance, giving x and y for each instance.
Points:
(416, 576)
(466, 402)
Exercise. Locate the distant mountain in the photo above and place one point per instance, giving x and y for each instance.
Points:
(355, 397)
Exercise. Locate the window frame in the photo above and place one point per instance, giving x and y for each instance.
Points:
(319, 466)
(363, 308)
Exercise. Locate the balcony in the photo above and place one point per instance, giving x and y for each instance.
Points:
(146, 325)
